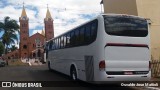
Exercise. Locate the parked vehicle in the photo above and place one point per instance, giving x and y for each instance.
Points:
(2, 63)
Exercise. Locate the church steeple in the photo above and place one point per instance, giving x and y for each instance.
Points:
(23, 14)
(43, 32)
(49, 28)
(48, 15)
(24, 34)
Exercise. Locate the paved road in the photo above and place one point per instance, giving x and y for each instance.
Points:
(41, 73)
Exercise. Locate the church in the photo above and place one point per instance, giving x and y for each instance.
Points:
(32, 46)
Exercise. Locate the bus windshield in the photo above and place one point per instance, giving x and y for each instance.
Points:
(126, 26)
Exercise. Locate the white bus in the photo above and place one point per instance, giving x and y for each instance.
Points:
(110, 47)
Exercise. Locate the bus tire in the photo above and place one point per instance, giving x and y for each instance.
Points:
(49, 66)
(73, 73)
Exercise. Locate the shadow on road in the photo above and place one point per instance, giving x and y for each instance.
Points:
(54, 79)
(57, 79)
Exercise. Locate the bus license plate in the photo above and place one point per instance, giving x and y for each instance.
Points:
(128, 73)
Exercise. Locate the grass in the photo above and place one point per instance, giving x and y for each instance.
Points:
(17, 63)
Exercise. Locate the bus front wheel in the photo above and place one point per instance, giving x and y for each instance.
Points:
(73, 74)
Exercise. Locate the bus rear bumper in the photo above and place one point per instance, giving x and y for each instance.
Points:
(145, 77)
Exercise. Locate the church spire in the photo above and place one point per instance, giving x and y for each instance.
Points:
(43, 32)
(48, 14)
(23, 12)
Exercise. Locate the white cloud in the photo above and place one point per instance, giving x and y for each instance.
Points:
(61, 11)
(11, 12)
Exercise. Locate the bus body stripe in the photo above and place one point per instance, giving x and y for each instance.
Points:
(126, 45)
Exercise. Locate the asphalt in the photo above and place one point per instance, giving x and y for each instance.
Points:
(41, 73)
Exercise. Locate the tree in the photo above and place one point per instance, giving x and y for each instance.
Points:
(1, 48)
(9, 27)
(13, 48)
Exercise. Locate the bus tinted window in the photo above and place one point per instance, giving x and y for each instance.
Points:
(126, 26)
(61, 42)
(72, 39)
(93, 30)
(58, 39)
(50, 45)
(81, 36)
(76, 37)
(88, 33)
(65, 39)
(53, 46)
(68, 40)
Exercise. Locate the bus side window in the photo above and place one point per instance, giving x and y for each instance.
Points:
(64, 40)
(46, 50)
(81, 36)
(72, 39)
(77, 37)
(50, 45)
(53, 45)
(88, 34)
(61, 42)
(94, 30)
(68, 39)
(58, 43)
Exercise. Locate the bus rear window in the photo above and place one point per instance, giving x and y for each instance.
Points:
(126, 26)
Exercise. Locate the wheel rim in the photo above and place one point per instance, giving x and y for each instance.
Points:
(73, 75)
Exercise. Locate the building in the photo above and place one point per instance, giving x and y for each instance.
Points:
(31, 46)
(145, 8)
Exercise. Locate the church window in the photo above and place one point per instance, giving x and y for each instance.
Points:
(24, 46)
(24, 25)
(24, 18)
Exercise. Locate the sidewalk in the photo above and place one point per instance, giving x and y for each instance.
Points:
(32, 62)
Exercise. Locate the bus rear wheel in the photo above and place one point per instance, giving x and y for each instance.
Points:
(73, 74)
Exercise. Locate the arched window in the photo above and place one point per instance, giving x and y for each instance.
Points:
(24, 46)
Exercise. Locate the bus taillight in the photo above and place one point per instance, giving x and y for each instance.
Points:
(102, 65)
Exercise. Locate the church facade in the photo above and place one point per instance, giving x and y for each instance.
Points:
(32, 46)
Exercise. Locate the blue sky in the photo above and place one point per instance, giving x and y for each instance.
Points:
(66, 14)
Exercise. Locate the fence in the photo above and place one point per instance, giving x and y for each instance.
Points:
(155, 68)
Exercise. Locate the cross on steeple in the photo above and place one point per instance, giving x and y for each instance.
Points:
(23, 4)
(47, 6)
(23, 11)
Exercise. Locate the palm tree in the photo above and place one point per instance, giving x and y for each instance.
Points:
(1, 49)
(13, 48)
(9, 27)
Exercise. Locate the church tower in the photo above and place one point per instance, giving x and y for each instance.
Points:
(49, 28)
(24, 34)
